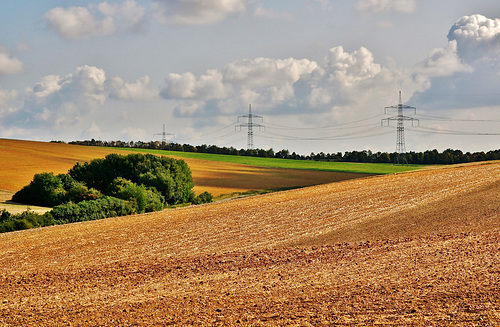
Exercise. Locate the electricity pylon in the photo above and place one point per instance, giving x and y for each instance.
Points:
(250, 125)
(400, 135)
(164, 136)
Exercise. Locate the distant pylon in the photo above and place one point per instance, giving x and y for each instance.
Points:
(250, 125)
(164, 136)
(400, 135)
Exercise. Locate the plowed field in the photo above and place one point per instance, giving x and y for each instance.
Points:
(417, 249)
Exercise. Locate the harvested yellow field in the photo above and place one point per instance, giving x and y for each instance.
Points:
(415, 249)
(21, 160)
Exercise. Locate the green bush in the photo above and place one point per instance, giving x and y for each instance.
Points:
(170, 177)
(45, 190)
(114, 186)
(204, 197)
(104, 207)
(25, 220)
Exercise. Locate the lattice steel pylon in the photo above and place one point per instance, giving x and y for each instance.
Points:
(400, 127)
(250, 125)
(164, 136)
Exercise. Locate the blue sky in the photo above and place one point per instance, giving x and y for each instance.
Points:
(319, 72)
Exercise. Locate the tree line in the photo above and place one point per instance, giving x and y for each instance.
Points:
(429, 157)
(116, 185)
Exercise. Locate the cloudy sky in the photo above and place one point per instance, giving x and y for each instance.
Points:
(319, 72)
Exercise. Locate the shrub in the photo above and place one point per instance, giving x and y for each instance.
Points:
(204, 197)
(91, 210)
(45, 190)
(170, 177)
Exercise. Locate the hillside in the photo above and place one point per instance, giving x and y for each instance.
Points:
(21, 160)
(419, 248)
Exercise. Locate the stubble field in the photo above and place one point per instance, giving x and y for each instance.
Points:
(414, 249)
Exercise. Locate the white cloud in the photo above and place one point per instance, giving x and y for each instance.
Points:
(261, 80)
(442, 62)
(10, 65)
(100, 20)
(119, 89)
(283, 85)
(467, 73)
(129, 16)
(349, 68)
(188, 86)
(477, 36)
(195, 12)
(377, 6)
(60, 102)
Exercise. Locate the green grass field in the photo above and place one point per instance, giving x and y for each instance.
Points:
(364, 168)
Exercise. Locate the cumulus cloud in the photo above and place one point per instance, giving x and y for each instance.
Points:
(281, 86)
(100, 20)
(195, 12)
(467, 72)
(377, 6)
(262, 80)
(9, 65)
(477, 36)
(58, 103)
(137, 91)
(442, 62)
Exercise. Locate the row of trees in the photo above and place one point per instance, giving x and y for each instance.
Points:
(117, 185)
(430, 157)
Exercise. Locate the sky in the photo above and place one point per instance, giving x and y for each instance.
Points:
(320, 75)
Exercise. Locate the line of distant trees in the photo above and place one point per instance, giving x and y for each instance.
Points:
(429, 157)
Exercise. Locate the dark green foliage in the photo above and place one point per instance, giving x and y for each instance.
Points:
(204, 197)
(140, 198)
(113, 186)
(4, 215)
(28, 219)
(91, 210)
(49, 190)
(45, 190)
(170, 177)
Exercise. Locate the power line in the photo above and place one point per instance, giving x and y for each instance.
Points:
(326, 127)
(449, 132)
(250, 125)
(164, 135)
(455, 119)
(400, 134)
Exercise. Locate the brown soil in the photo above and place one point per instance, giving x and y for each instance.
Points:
(413, 249)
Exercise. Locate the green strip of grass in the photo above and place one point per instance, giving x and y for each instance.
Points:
(350, 167)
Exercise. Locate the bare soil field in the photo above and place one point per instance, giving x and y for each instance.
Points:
(411, 249)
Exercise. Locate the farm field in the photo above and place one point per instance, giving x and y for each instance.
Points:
(350, 167)
(21, 160)
(417, 249)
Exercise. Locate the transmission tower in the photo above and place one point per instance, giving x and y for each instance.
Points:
(400, 135)
(250, 125)
(163, 136)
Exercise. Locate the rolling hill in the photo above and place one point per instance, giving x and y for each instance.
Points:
(418, 248)
(21, 160)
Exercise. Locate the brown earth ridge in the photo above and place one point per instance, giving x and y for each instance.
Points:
(411, 249)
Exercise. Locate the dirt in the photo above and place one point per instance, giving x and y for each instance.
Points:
(430, 257)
